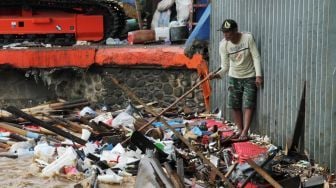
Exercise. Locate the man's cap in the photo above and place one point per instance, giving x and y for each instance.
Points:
(228, 25)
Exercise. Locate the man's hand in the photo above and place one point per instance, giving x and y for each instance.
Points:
(214, 76)
(259, 81)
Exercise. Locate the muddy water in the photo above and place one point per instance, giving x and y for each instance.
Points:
(21, 172)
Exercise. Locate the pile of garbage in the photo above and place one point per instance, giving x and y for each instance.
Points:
(159, 147)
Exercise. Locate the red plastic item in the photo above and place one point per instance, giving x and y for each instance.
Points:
(222, 126)
(3, 130)
(211, 123)
(20, 22)
(70, 170)
(249, 185)
(33, 128)
(205, 140)
(247, 150)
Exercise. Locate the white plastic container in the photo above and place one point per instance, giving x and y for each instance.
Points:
(110, 178)
(68, 158)
(162, 33)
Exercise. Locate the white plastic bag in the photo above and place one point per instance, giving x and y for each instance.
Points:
(165, 5)
(125, 120)
(87, 111)
(44, 152)
(161, 19)
(183, 8)
(22, 148)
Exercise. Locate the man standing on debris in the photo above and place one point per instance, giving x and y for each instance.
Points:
(240, 57)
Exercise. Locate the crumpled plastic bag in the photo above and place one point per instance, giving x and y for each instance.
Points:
(44, 152)
(22, 148)
(125, 120)
(165, 5)
(182, 9)
(105, 118)
(87, 111)
(161, 19)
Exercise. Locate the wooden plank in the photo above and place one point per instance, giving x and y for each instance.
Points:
(264, 174)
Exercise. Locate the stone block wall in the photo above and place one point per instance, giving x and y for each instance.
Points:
(150, 84)
(161, 85)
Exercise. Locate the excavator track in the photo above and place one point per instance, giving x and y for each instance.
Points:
(113, 14)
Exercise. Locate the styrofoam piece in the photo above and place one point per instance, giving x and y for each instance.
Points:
(89, 148)
(85, 134)
(118, 149)
(162, 33)
(109, 156)
(68, 158)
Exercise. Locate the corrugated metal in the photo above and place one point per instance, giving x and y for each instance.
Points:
(296, 39)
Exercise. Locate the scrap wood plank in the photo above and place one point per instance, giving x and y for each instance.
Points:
(158, 116)
(231, 169)
(45, 125)
(264, 174)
